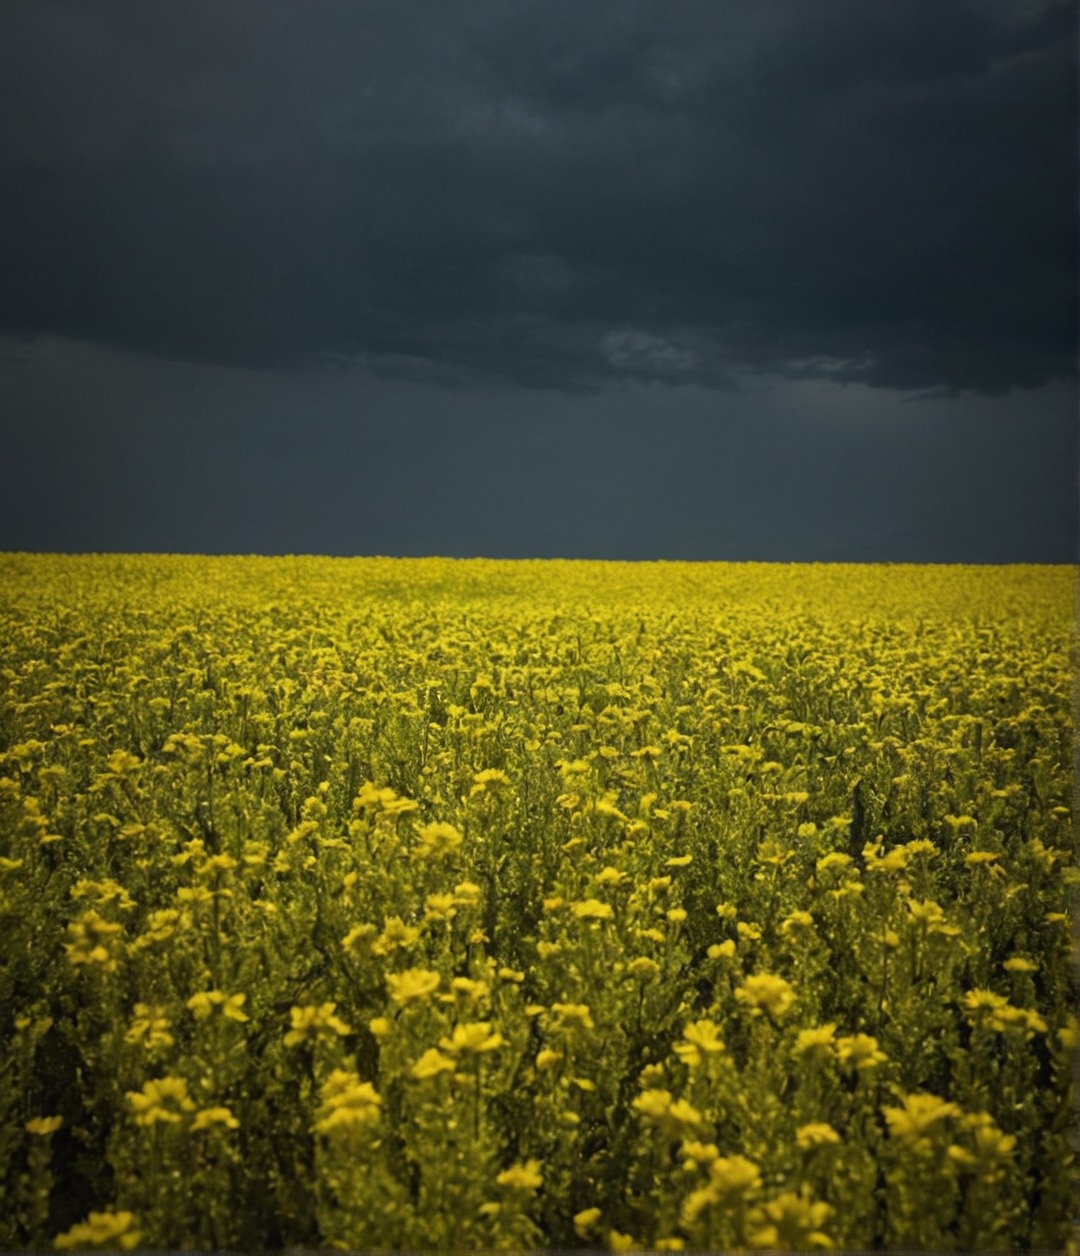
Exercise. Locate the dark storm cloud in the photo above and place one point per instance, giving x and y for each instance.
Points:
(552, 194)
(275, 461)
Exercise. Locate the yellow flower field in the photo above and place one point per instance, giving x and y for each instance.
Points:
(400, 903)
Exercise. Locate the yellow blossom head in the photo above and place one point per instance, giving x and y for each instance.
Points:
(413, 985)
(592, 909)
(431, 1064)
(474, 1038)
(766, 992)
(860, 1051)
(522, 1177)
(816, 1134)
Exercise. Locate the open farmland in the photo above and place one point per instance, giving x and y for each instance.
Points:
(432, 903)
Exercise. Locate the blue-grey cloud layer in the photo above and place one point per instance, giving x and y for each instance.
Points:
(549, 194)
(111, 451)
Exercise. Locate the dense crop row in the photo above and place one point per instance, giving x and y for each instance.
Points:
(371, 903)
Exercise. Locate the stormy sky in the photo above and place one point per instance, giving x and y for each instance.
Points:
(760, 279)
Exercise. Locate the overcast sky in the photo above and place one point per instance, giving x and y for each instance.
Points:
(760, 279)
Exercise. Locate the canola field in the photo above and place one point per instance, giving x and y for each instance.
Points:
(372, 903)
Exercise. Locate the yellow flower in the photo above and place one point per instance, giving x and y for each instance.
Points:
(651, 1076)
(734, 1176)
(920, 1113)
(149, 1029)
(572, 1014)
(1024, 1019)
(414, 984)
(796, 921)
(731, 1179)
(547, 1058)
(956, 823)
(440, 907)
(311, 1022)
(619, 1242)
(102, 1229)
(683, 1113)
(654, 1104)
(231, 1007)
(347, 1103)
(472, 1039)
(815, 1134)
(165, 1100)
(930, 917)
(371, 798)
(359, 938)
(161, 926)
(585, 1220)
(203, 1003)
(722, 950)
(123, 763)
(817, 1042)
(94, 942)
(396, 935)
(592, 909)
(197, 894)
(978, 1001)
(992, 1149)
(473, 991)
(860, 1050)
(671, 1115)
(606, 807)
(647, 752)
(791, 1222)
(215, 1116)
(522, 1177)
(1020, 964)
(697, 1154)
(610, 876)
(43, 1126)
(380, 1027)
(700, 1037)
(431, 1063)
(438, 839)
(643, 966)
(894, 861)
(766, 992)
(488, 779)
(679, 861)
(835, 859)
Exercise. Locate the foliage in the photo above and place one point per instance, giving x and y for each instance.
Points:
(428, 904)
